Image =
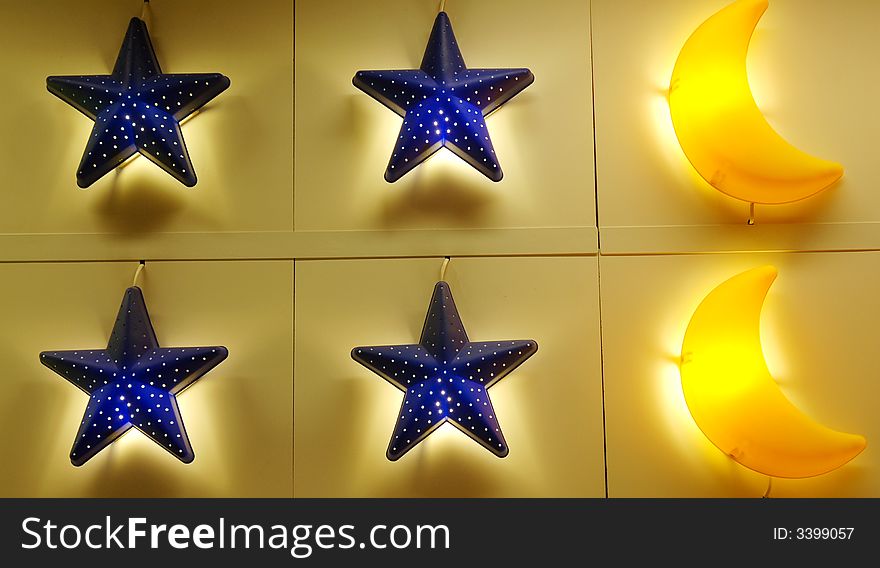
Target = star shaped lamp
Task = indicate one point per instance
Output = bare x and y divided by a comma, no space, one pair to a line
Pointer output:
443,104
137,109
132,383
445,378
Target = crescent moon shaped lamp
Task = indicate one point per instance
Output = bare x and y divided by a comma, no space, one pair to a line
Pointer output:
445,378
734,399
719,126
443,104
133,383
137,109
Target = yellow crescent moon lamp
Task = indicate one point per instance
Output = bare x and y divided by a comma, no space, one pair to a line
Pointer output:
719,126
734,399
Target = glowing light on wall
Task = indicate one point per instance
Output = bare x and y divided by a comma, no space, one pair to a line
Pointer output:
719,125
445,377
137,109
132,383
443,104
734,399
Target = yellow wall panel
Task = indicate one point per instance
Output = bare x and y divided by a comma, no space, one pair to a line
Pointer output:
238,416
814,88
818,331
282,417
549,408
542,136
240,143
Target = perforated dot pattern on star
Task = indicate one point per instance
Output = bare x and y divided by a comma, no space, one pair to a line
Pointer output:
137,109
443,104
132,383
445,378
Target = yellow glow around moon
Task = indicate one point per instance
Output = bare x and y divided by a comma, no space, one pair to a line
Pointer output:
734,399
719,125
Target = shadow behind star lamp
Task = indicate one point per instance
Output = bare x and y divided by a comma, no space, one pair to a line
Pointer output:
133,383
443,104
136,109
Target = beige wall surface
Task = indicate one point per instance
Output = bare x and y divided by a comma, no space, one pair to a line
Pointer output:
818,330
550,408
238,416
291,413
240,142
809,69
542,136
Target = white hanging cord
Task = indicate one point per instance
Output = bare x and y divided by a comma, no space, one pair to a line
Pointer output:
137,272
769,487
751,213
144,9
443,268
442,5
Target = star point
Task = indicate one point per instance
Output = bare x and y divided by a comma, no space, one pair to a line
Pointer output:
443,104
445,378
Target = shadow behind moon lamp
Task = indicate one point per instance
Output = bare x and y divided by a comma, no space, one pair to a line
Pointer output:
719,126
133,383
137,109
443,104
736,402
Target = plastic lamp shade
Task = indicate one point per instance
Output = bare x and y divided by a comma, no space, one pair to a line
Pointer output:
734,399
445,378
719,126
137,109
443,104
133,383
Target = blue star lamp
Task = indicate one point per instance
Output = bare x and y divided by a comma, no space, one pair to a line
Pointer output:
445,378
133,383
443,104
137,109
